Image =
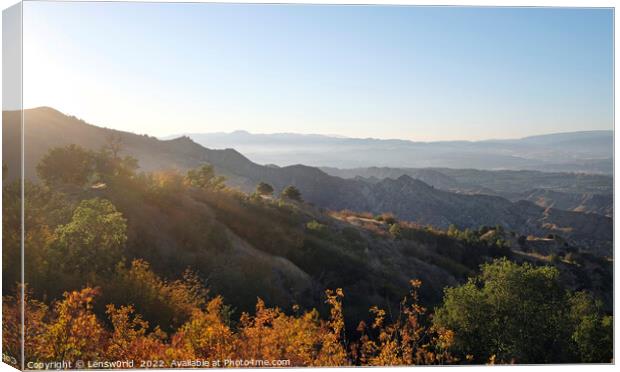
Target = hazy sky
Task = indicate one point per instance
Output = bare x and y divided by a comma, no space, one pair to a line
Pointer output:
419,73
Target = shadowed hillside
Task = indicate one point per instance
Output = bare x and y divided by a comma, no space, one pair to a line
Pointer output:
577,192
406,197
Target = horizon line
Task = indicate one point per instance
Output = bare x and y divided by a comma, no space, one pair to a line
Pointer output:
335,135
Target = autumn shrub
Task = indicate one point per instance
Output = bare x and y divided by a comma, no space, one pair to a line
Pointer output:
409,340
206,334
271,334
129,338
71,331
161,302
34,324
74,332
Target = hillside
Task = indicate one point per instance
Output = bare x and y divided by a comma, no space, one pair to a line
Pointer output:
285,252
585,202
576,192
498,182
406,197
163,258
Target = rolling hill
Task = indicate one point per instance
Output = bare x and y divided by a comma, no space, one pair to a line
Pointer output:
408,198
589,193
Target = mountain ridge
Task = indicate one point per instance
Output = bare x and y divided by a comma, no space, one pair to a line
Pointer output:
320,135
408,198
580,151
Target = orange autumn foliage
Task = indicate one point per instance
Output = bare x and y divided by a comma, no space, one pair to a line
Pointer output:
74,333
406,341
71,331
35,312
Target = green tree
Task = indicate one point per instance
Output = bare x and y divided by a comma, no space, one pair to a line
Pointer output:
110,165
510,312
204,177
93,241
42,208
67,165
292,193
593,331
264,189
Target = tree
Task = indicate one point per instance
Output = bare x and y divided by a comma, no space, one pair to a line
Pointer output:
110,164
67,165
264,189
93,241
113,145
593,331
292,193
204,177
509,312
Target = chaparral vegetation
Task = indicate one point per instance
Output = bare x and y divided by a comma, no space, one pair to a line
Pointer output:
172,266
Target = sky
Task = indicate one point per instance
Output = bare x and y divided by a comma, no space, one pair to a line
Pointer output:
419,73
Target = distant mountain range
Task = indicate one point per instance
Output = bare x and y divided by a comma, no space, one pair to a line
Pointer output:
587,151
408,198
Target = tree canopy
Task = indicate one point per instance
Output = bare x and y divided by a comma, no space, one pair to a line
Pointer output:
204,177
515,313
264,189
72,164
93,240
292,193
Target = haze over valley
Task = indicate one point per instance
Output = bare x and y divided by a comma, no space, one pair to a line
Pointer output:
584,152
